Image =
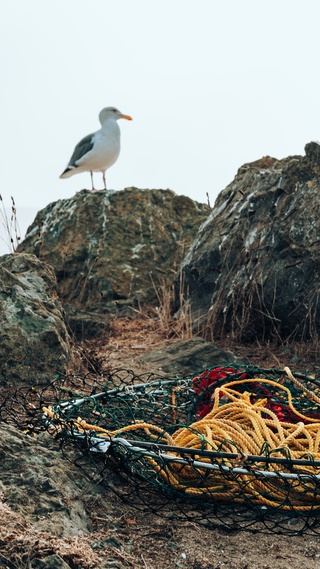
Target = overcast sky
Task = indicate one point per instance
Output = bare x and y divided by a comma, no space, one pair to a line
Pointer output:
210,85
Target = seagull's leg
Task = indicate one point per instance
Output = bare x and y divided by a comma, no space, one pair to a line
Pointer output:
91,174
104,179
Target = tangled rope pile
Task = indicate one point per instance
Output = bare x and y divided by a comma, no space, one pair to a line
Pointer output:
234,423
233,445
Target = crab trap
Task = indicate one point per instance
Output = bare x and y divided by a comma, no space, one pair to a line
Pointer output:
237,448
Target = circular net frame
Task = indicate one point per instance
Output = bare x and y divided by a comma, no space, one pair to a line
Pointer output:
231,448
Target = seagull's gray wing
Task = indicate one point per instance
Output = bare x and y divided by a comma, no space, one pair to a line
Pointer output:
82,148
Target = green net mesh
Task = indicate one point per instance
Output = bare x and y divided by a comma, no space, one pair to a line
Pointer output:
237,448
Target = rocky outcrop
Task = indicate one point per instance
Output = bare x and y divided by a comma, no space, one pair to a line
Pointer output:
254,267
110,249
39,485
34,343
189,356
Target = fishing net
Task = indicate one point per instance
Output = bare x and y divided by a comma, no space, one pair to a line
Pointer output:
235,448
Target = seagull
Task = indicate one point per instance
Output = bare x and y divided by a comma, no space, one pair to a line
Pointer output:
98,151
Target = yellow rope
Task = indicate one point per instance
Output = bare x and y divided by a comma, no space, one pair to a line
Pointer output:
242,426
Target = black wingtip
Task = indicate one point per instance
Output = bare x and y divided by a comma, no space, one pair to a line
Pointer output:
66,172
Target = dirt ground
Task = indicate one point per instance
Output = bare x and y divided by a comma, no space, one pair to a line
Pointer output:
131,338
121,536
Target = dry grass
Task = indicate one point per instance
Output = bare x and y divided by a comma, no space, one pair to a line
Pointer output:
173,322
10,226
241,312
20,543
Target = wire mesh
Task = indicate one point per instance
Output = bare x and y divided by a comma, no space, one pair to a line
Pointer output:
155,442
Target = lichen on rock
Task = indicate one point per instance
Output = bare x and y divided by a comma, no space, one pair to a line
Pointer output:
109,249
34,342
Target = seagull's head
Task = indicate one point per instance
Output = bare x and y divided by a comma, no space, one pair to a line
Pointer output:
112,113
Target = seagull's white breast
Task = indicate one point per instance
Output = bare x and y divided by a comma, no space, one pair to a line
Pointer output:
106,148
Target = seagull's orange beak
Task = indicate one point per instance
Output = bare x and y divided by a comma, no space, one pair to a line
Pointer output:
126,117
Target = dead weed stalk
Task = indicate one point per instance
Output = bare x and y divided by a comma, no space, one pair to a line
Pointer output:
174,322
12,233
241,312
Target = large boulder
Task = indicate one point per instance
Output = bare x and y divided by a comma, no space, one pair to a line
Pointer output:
39,485
34,343
111,249
253,270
